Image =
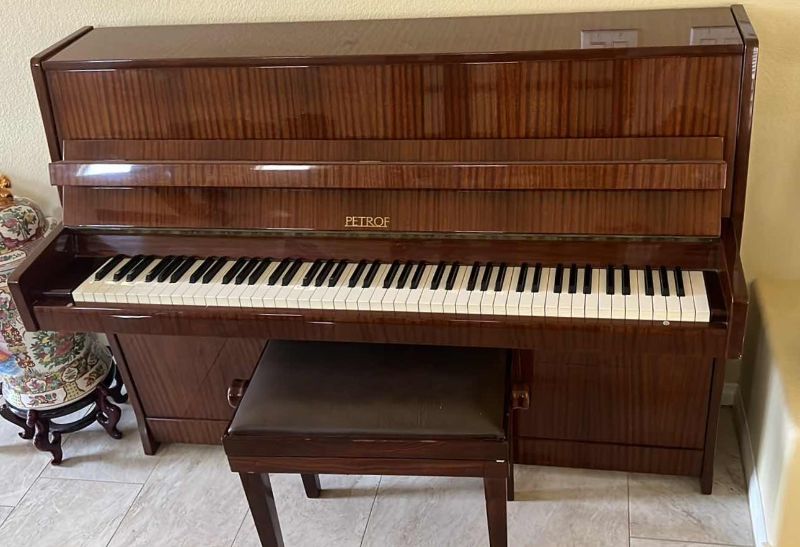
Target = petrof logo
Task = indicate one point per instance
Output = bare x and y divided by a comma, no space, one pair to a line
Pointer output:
367,222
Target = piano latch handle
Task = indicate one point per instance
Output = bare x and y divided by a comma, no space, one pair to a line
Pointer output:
236,391
520,397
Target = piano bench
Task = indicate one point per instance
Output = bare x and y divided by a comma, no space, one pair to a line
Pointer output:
341,408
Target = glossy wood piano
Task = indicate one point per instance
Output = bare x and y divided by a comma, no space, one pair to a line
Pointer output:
568,186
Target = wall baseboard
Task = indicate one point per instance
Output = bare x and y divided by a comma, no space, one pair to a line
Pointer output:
757,515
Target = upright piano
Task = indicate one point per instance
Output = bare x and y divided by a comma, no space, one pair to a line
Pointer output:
569,186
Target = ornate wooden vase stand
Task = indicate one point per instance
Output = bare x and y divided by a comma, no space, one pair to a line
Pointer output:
46,433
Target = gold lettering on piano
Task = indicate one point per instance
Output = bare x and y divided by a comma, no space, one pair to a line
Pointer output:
366,222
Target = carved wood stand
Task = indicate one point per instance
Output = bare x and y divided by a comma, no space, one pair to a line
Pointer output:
46,433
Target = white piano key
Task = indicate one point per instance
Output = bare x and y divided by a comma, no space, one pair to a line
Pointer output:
551,297
673,304
301,296
107,287
367,292
701,307
389,297
85,291
645,301
501,298
219,290
249,298
592,305
288,296
687,301
403,294
451,296
200,296
265,296
604,305
632,300
475,295
487,296
463,296
579,299
330,295
415,295
513,297
376,299
539,298
183,285
617,299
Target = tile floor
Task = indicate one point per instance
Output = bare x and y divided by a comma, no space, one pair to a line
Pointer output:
108,493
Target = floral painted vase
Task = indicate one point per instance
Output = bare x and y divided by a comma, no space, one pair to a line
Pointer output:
39,370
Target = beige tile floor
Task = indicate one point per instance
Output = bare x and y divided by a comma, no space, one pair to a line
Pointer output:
108,493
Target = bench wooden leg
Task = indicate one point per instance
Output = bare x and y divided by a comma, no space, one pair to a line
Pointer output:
494,490
510,483
258,490
311,485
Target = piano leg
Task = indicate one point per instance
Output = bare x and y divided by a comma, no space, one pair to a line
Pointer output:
149,444
311,485
717,383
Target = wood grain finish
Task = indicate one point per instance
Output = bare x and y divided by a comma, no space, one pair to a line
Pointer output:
620,457
194,384
460,150
616,397
674,213
559,151
393,40
441,176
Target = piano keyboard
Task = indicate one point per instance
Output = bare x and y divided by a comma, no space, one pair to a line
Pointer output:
528,289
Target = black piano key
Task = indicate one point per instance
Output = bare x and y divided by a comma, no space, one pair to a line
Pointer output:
610,279
626,280
153,274
405,273
108,267
198,273
679,288
311,272
214,270
393,269
166,272
337,273
451,277
139,268
371,273
648,281
230,275
662,274
291,272
587,279
537,278
182,269
275,276
523,275
559,281
573,279
245,272
437,276
473,276
487,276
324,272
357,272
417,278
501,276
131,264
263,264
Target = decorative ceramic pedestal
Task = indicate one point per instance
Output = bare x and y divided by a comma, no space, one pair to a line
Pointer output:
47,375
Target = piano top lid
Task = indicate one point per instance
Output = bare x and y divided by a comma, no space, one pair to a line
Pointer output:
625,33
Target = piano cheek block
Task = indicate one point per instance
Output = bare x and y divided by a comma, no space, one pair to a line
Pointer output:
220,210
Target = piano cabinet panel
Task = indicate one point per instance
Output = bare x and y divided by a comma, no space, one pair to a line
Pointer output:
590,212
187,377
643,399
